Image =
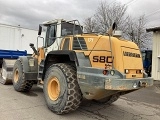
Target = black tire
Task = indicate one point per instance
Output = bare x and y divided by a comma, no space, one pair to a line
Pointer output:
69,97
108,100
19,82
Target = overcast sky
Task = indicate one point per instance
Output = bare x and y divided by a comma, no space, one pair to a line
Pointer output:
30,13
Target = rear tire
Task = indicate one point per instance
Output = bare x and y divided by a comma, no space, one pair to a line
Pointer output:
61,89
19,82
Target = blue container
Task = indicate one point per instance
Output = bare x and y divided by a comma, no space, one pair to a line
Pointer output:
12,54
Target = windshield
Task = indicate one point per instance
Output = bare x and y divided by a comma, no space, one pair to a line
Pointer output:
70,29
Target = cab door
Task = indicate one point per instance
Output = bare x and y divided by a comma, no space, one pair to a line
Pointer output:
50,38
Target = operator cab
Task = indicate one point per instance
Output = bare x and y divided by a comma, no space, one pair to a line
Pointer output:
56,30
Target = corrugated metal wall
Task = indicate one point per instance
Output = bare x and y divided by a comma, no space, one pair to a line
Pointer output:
155,54
18,38
9,37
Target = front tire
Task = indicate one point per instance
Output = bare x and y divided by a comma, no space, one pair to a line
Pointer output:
20,84
61,89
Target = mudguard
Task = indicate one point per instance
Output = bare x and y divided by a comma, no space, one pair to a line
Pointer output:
25,63
30,71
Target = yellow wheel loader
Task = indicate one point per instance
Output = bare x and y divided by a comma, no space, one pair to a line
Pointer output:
73,65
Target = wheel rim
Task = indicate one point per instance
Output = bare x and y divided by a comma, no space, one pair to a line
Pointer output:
53,88
16,75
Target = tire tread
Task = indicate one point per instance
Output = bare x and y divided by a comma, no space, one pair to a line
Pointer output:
74,96
24,85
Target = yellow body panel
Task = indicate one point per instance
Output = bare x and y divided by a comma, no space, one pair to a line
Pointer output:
126,54
41,55
108,53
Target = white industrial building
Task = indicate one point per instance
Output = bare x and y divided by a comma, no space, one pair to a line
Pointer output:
18,38
155,52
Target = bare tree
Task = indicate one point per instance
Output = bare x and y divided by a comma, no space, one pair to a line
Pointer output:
89,24
136,31
105,16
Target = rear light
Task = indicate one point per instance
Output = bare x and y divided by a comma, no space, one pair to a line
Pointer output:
105,72
31,62
139,71
112,72
126,71
135,85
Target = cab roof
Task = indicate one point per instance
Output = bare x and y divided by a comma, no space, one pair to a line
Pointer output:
53,22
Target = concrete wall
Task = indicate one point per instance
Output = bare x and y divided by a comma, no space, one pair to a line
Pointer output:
18,38
155,54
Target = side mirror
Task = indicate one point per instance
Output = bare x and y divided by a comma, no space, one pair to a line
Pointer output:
40,30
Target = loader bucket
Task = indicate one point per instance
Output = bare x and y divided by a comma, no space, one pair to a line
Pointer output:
6,71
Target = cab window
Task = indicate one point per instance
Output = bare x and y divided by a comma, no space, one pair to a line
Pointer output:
51,35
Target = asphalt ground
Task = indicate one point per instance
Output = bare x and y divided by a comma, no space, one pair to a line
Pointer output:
143,104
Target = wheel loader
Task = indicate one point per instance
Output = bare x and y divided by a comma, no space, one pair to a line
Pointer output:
7,60
73,65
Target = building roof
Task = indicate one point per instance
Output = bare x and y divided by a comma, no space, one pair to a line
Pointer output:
153,29
14,26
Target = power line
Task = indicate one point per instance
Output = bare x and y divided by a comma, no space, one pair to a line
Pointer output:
130,2
153,13
112,2
127,4
153,20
